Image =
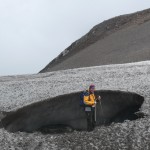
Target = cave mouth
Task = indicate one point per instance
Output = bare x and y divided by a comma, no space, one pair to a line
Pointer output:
64,114
55,129
130,114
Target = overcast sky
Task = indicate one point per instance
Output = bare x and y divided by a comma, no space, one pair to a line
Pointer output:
33,32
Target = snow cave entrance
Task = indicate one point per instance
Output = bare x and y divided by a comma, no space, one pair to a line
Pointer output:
63,113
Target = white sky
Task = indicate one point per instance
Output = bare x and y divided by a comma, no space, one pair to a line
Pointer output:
33,32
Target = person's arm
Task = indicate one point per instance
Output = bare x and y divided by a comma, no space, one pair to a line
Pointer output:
87,101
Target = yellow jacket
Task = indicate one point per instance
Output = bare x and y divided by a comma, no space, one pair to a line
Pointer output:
89,99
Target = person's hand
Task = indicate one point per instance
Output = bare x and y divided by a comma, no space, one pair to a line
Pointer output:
94,104
99,98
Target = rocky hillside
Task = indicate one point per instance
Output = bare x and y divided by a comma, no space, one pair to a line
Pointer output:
122,39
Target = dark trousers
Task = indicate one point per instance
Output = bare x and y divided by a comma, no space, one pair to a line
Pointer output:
90,119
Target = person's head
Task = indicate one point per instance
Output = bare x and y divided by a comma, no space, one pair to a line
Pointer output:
92,88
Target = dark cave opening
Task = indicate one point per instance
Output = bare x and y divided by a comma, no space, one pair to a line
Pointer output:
128,114
64,114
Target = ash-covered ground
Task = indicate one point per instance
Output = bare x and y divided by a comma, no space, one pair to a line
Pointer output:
18,91
119,40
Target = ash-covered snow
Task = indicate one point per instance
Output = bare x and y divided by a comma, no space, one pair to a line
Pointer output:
18,91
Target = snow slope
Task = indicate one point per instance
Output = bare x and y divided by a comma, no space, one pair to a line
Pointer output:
18,91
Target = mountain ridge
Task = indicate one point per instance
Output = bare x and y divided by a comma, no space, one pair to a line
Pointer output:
97,33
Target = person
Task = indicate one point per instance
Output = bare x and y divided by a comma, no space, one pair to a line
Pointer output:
90,101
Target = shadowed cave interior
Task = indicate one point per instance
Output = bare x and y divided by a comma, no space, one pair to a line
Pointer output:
64,113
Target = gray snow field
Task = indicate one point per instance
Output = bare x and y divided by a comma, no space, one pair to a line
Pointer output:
18,91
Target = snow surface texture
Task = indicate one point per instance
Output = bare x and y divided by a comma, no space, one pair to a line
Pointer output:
18,91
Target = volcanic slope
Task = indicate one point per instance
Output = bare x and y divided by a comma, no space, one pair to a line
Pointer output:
122,39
